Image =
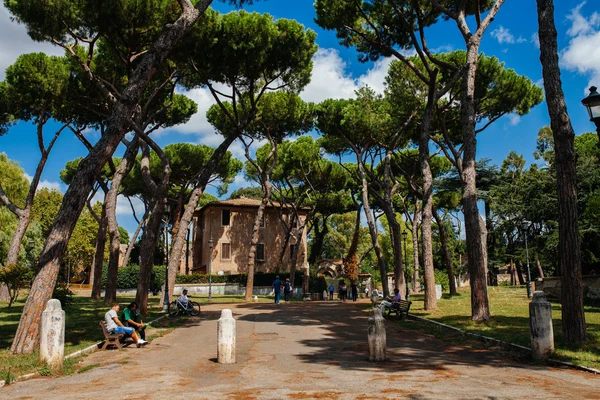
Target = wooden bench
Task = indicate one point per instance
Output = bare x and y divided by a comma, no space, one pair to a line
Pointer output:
400,308
114,339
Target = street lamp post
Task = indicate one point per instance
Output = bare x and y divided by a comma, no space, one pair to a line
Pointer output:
210,246
592,104
404,236
166,298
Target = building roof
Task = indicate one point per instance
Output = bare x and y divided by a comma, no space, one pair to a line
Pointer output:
245,202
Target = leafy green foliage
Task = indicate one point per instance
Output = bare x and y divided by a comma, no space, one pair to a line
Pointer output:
13,277
46,204
63,294
124,235
128,277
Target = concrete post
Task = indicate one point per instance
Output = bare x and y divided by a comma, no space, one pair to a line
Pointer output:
540,323
226,338
377,336
52,341
255,298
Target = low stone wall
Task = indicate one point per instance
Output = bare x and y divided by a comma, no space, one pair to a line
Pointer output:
201,289
552,287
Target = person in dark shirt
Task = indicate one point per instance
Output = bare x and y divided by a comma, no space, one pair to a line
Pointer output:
354,290
277,289
287,289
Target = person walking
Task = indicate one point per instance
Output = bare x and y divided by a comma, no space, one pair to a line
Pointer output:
277,289
331,289
287,289
354,290
343,290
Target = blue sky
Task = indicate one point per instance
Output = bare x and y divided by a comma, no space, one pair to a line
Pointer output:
337,73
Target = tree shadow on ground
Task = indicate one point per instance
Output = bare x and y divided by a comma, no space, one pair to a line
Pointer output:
344,340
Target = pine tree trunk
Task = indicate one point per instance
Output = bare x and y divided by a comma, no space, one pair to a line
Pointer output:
284,247
318,240
446,252
255,233
520,273
480,310
131,244
351,259
178,238
396,240
415,239
27,336
539,267
124,168
96,278
147,248
569,251
373,230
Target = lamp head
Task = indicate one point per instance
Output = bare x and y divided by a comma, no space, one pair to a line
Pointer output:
592,104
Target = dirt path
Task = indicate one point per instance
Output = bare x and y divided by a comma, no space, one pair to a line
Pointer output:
305,350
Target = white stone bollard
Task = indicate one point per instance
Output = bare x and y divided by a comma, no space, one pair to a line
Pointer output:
540,323
226,338
377,336
52,341
325,296
438,292
255,299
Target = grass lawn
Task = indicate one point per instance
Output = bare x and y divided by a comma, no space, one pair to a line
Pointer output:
81,330
509,307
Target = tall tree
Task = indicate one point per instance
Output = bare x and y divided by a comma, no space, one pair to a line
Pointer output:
122,25
35,91
280,114
569,251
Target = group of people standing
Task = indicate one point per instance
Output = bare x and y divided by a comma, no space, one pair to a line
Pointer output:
287,289
343,291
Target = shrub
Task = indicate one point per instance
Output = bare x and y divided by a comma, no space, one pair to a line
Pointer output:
13,276
128,277
63,294
260,278
441,278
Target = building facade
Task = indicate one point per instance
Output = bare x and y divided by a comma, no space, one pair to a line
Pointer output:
229,224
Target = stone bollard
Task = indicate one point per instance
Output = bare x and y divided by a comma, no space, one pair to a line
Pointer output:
255,299
438,292
52,340
377,336
540,323
226,338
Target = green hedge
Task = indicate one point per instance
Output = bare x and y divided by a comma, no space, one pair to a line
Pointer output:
260,279
129,276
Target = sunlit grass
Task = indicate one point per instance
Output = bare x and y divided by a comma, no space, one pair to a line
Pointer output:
509,307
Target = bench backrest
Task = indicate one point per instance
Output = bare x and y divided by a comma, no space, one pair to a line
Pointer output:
404,304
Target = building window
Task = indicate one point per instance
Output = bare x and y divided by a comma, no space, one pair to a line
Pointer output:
260,252
225,251
262,221
225,217
292,248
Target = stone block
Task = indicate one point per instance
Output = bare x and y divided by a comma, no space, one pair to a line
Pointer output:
376,336
226,338
540,323
52,340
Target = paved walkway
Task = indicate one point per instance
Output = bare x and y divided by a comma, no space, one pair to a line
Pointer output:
305,350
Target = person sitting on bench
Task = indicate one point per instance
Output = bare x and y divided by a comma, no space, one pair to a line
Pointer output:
133,319
389,304
113,325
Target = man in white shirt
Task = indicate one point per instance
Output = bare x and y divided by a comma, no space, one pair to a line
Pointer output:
183,299
114,326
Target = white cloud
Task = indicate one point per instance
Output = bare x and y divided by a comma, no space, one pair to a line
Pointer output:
124,208
47,184
329,78
540,82
521,39
513,119
580,24
503,35
15,42
375,77
535,39
583,52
